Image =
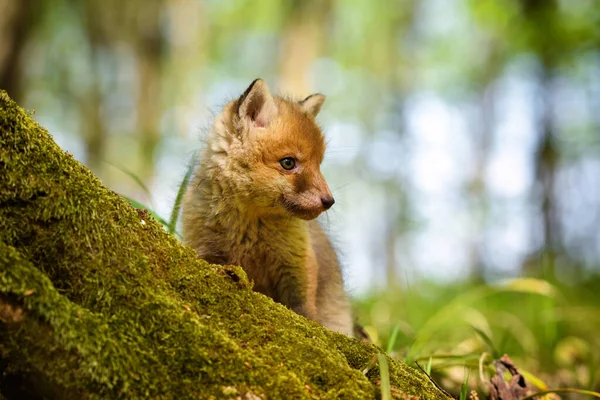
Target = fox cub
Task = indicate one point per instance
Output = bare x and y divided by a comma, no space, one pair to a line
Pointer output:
254,198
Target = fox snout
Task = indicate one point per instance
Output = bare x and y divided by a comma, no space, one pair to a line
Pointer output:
309,198
321,191
325,195
321,201
327,201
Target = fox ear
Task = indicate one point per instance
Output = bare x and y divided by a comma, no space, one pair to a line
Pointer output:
257,104
312,104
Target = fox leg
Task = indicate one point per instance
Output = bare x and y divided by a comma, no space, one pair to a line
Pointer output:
296,292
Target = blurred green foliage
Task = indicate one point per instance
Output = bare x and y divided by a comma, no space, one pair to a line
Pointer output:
548,329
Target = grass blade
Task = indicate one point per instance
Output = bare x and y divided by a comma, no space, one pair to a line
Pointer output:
534,380
370,364
530,285
133,176
393,338
442,356
484,336
386,392
428,366
177,205
565,390
433,381
464,388
408,359
140,206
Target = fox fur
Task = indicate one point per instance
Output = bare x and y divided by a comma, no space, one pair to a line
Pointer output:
243,207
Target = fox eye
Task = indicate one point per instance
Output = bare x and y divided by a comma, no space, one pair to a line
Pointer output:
287,163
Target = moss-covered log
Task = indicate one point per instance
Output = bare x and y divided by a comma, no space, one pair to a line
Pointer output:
97,301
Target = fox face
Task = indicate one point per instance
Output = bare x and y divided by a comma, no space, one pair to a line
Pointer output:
277,153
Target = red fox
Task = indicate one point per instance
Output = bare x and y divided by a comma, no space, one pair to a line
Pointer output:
253,201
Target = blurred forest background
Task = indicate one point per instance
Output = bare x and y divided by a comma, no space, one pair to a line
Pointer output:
464,147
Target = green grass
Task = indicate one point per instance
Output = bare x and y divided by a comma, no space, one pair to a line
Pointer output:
464,388
386,391
548,329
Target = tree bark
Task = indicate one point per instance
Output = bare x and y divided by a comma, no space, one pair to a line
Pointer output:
98,301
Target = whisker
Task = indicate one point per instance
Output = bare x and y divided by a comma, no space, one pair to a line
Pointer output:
343,185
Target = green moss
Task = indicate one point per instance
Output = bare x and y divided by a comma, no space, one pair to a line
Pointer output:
113,306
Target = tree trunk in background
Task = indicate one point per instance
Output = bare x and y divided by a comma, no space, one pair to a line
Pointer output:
541,15
390,58
149,48
91,102
391,226
188,31
483,138
94,132
15,26
302,39
546,165
480,203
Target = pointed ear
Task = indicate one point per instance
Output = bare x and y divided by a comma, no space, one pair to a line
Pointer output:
312,104
257,104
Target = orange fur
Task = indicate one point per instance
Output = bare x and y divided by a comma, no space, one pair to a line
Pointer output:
243,207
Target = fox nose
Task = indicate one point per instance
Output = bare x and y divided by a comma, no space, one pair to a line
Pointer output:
327,202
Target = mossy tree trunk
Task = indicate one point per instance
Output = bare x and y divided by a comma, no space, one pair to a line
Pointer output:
97,301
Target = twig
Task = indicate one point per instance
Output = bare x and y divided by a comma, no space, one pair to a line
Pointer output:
432,381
